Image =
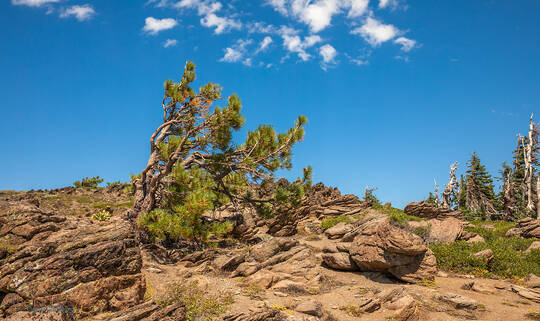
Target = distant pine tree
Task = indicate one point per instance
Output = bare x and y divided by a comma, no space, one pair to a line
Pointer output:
462,194
478,173
480,197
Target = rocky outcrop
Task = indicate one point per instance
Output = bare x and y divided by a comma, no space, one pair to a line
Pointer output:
426,210
68,263
527,228
383,247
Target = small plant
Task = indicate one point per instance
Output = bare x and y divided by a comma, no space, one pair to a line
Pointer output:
370,198
9,248
282,308
421,231
428,283
313,238
199,303
533,315
102,216
352,310
329,222
86,182
253,291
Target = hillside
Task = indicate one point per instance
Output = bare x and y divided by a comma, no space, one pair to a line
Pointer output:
336,258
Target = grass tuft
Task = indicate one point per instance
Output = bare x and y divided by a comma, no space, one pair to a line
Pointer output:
329,222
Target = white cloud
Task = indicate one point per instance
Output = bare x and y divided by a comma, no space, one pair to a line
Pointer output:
82,13
153,25
328,53
375,32
247,62
222,24
388,4
296,45
236,52
264,44
170,43
358,8
231,55
406,44
317,14
32,3
207,10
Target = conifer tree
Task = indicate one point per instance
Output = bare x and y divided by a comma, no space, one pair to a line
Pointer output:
480,197
194,165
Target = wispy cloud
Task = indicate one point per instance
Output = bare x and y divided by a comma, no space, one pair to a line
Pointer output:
264,44
207,9
170,43
295,44
236,52
406,43
153,25
81,13
32,3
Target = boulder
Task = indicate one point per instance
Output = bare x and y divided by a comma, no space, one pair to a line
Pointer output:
68,263
458,301
338,230
513,232
532,281
529,294
383,247
534,246
310,307
426,210
486,254
339,261
444,231
530,228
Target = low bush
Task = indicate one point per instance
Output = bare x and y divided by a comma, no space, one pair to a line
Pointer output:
329,222
102,216
86,182
199,303
509,259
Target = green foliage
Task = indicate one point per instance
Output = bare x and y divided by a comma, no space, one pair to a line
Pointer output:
509,257
421,231
370,198
102,216
201,168
478,173
431,199
199,303
86,182
116,183
397,216
329,222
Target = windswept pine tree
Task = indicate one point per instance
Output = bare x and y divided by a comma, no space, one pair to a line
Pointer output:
480,197
195,166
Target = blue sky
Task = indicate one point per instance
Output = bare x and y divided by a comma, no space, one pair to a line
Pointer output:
394,91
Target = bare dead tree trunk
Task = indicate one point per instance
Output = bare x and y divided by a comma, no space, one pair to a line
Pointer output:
437,198
527,153
538,197
451,187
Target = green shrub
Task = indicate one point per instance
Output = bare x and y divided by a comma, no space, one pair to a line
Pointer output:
329,222
421,231
102,216
398,216
369,197
508,261
199,303
86,182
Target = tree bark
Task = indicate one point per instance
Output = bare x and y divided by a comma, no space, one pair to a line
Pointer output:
527,151
450,187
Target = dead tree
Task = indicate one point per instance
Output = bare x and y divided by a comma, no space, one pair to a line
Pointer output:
451,188
438,202
529,170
